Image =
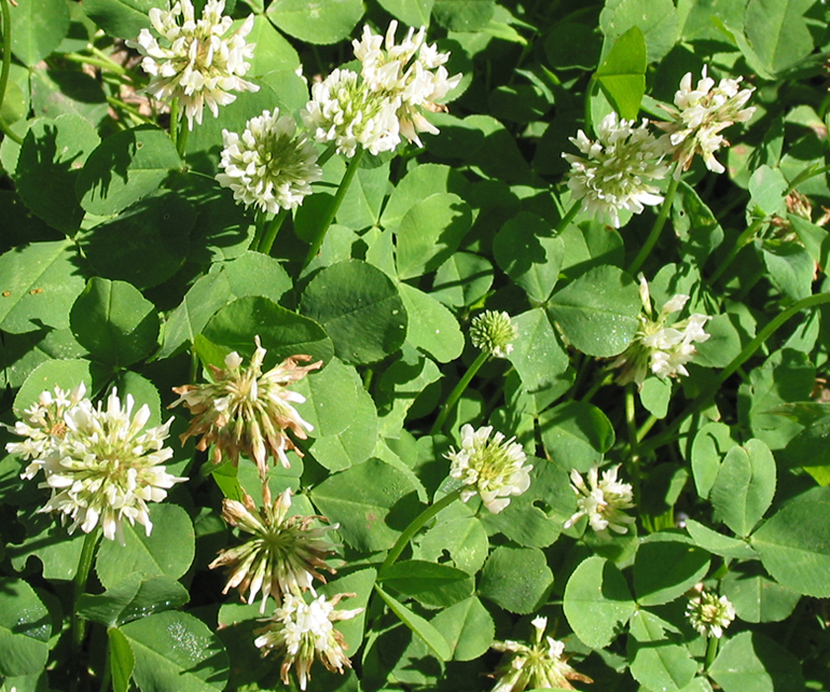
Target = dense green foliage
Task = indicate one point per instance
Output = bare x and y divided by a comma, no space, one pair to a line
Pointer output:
123,263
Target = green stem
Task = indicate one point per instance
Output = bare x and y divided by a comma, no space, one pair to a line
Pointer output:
633,460
106,677
271,231
711,652
81,578
348,176
742,241
328,152
599,383
569,216
174,123
806,174
134,112
657,228
668,434
7,65
417,524
103,63
458,391
181,142
645,427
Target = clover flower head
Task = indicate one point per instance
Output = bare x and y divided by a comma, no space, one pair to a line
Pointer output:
603,501
284,553
492,468
100,463
343,109
411,72
193,60
701,113
269,165
247,412
493,332
539,665
710,614
660,347
617,170
44,427
301,632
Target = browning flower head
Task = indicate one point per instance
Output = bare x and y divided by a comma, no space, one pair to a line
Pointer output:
283,555
301,632
700,115
710,614
617,170
540,665
603,501
658,346
493,332
269,166
492,468
246,412
193,60
102,466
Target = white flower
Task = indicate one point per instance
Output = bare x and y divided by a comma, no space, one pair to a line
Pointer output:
493,332
538,666
617,169
701,113
248,412
661,348
268,166
44,427
493,469
346,111
710,614
104,467
301,632
411,72
195,62
602,501
283,554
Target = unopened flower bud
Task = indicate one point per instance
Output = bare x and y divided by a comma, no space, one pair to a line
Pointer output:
494,333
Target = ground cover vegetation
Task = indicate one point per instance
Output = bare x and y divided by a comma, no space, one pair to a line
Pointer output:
414,345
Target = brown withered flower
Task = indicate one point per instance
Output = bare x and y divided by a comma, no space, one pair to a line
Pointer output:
283,555
246,412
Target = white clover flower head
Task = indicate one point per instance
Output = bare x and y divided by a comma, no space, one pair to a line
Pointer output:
492,468
411,73
44,427
105,467
269,166
710,614
246,412
301,632
540,665
701,113
344,110
284,553
603,501
616,171
659,347
193,60
493,332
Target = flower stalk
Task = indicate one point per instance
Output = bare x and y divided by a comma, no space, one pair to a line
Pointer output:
456,393
416,525
348,176
657,228
7,64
